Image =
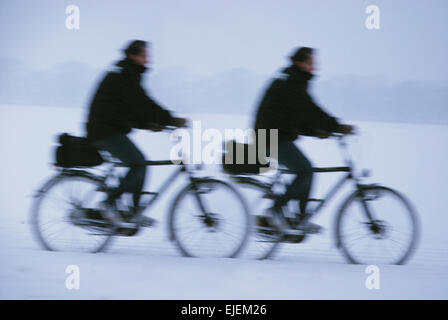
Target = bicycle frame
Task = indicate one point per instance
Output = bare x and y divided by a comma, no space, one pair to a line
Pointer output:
329,195
349,168
155,195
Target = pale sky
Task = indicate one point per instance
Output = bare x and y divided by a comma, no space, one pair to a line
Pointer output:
211,36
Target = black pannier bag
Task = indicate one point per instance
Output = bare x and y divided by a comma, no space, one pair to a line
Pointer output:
76,152
236,152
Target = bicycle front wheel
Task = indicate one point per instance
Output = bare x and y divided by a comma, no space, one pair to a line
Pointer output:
58,215
209,218
377,225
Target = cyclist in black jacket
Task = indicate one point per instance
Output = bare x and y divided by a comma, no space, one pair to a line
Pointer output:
120,104
288,107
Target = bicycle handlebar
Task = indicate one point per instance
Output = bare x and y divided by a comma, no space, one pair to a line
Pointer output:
170,128
165,128
339,135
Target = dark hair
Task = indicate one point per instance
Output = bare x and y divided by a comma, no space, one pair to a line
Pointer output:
135,47
302,54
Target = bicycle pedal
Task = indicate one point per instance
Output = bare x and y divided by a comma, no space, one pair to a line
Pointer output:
293,238
267,237
96,223
148,192
100,231
125,215
100,234
315,200
93,214
127,232
266,231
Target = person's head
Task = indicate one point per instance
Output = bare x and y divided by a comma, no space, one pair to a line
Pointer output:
138,52
304,59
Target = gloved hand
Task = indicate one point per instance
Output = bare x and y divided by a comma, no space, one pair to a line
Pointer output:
322,134
346,129
178,122
155,127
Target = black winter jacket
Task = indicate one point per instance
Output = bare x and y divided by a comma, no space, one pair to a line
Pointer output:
288,107
120,104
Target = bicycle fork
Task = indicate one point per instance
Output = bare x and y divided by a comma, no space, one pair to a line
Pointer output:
206,216
375,226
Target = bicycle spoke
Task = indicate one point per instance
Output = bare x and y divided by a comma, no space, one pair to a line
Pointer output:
57,203
235,225
346,234
230,235
399,244
189,232
61,219
357,238
58,231
191,224
218,239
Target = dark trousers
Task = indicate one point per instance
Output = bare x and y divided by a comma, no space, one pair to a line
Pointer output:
121,147
291,157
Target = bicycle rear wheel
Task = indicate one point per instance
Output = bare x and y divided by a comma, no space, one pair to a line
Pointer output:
265,236
377,225
59,215
209,218
266,239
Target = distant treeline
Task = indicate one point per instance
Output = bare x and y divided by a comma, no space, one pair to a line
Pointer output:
236,91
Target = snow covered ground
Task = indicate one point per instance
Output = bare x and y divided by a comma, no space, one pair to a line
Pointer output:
408,157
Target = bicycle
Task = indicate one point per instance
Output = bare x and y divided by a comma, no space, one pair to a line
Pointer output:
371,216
70,198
